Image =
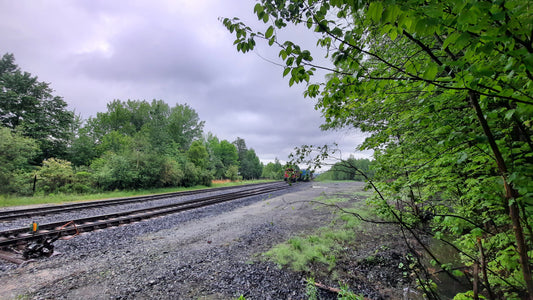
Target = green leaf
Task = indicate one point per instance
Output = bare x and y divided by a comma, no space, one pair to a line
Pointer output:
375,9
390,14
431,72
283,54
457,273
309,23
286,71
463,40
269,32
258,8
393,34
477,232
289,61
451,39
509,114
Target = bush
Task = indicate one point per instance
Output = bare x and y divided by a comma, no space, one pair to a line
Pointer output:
233,173
171,174
21,183
83,182
114,171
16,152
54,175
191,175
205,178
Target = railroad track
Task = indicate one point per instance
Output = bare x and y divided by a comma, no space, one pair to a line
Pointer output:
8,215
39,243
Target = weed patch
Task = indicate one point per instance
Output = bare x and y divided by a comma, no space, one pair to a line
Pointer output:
299,253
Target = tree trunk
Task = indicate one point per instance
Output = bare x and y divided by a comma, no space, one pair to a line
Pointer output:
475,288
483,264
511,195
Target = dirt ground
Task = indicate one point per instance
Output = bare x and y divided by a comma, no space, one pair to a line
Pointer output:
216,254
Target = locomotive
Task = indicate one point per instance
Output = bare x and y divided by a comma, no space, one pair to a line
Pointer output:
292,175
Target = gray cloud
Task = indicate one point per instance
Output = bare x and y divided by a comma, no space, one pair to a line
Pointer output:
95,51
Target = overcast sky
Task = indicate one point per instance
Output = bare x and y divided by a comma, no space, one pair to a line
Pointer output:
94,51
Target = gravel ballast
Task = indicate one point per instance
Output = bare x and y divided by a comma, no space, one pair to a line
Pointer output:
209,253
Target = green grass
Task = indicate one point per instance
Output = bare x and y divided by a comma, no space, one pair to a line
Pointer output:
365,194
298,253
7,200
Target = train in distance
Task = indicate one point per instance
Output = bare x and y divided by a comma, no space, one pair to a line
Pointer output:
292,175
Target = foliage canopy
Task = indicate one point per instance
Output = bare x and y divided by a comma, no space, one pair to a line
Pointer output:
444,88
28,106
134,144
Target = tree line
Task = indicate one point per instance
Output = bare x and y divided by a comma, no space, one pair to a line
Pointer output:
135,144
444,90
349,169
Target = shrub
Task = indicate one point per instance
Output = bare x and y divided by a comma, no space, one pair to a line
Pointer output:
191,175
171,173
54,175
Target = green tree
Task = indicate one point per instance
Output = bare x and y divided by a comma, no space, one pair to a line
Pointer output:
241,148
232,173
252,166
215,165
351,169
227,152
143,145
126,117
184,125
198,155
191,174
83,149
273,170
28,105
113,171
164,127
444,91
156,131
16,152
116,142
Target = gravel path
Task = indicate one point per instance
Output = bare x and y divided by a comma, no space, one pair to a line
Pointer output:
210,253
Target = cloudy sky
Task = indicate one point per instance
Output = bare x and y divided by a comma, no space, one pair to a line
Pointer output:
94,51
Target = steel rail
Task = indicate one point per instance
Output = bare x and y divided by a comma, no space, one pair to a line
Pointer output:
7,215
21,236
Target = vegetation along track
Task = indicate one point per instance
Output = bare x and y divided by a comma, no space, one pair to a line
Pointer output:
13,214
47,233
